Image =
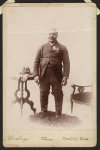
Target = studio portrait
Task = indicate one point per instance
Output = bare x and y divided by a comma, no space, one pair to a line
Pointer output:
49,63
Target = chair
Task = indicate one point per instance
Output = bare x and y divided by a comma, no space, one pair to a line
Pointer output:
81,95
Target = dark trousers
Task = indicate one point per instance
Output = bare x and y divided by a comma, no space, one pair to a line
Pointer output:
50,79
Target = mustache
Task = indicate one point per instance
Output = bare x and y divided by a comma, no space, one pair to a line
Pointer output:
52,38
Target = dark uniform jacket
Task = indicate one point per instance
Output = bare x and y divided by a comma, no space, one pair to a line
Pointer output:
54,56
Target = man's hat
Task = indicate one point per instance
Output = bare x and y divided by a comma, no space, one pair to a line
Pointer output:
25,70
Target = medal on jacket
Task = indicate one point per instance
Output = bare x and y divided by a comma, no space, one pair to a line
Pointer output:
55,48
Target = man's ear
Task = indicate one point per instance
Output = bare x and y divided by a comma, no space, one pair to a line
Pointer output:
57,35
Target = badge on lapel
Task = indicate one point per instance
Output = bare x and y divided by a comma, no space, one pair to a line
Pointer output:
56,49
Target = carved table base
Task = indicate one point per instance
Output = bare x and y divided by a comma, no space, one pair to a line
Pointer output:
22,95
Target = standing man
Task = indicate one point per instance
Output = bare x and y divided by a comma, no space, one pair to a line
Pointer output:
49,72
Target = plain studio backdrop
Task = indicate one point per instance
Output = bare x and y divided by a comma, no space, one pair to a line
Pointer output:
27,29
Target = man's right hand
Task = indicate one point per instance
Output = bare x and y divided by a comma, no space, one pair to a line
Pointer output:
36,79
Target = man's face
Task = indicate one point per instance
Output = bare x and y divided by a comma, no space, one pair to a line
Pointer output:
53,36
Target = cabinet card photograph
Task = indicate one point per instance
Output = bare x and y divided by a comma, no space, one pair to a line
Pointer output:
49,75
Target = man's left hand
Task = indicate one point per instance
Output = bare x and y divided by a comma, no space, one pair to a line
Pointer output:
64,81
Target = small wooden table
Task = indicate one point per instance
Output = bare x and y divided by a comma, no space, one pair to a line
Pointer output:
22,95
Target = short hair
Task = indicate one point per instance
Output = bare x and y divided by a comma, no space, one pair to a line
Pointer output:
53,30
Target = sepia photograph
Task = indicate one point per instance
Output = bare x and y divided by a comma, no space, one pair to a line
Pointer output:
49,74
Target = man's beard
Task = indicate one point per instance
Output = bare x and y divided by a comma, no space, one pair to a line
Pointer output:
52,40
